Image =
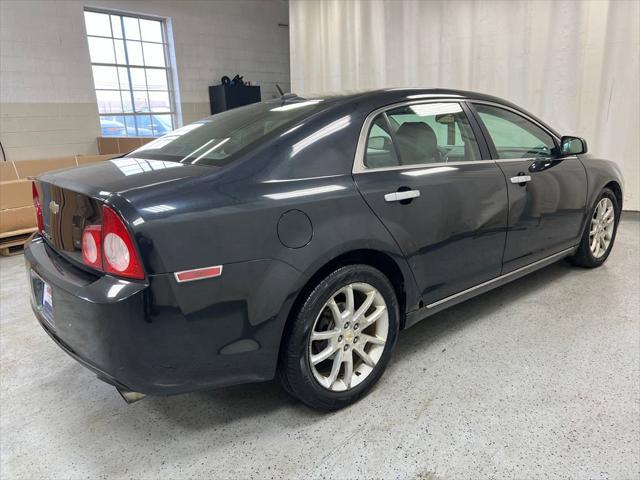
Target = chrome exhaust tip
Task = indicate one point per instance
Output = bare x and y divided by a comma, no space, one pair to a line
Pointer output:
130,397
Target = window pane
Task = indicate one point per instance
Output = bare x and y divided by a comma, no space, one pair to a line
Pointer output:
124,78
141,101
513,135
138,79
159,102
215,140
130,123
109,101
112,126
105,77
151,30
97,24
131,30
433,133
127,105
120,55
143,122
134,49
161,124
116,26
101,50
157,79
380,150
153,54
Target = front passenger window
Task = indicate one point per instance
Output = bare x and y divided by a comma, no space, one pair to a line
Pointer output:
513,135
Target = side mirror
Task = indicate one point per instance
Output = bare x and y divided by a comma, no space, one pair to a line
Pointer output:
572,146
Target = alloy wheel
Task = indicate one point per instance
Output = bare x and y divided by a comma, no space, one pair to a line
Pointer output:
348,337
601,228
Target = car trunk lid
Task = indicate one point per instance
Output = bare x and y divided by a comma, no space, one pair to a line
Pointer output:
72,199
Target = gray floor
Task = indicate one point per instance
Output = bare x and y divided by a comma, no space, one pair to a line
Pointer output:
540,378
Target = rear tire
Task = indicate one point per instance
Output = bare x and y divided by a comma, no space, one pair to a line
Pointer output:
341,338
599,233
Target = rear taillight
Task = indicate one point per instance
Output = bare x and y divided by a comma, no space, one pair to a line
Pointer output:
92,246
38,206
109,247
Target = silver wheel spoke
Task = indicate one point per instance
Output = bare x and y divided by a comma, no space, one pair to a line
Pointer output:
365,357
324,354
335,368
366,305
350,301
335,311
371,339
348,369
326,335
367,321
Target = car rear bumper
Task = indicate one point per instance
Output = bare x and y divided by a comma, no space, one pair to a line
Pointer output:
161,337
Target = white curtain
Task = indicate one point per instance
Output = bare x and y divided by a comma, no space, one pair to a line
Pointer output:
575,64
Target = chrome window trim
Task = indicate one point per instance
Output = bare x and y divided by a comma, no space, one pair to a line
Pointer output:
358,161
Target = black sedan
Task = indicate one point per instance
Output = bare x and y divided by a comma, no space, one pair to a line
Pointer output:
296,238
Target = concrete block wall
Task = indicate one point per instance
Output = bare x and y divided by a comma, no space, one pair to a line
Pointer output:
47,99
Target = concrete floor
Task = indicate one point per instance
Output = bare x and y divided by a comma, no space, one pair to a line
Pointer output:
537,379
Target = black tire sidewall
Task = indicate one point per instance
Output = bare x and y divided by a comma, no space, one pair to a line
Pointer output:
298,370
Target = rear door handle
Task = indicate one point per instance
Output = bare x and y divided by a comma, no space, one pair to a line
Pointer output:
521,179
404,195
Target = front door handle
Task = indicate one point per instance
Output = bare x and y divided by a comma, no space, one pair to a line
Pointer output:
403,195
521,179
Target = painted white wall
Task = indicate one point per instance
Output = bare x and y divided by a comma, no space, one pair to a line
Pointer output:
47,101
573,63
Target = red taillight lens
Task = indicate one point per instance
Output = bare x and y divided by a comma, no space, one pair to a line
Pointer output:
119,255
92,246
38,206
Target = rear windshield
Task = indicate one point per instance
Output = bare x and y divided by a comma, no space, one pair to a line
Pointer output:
216,139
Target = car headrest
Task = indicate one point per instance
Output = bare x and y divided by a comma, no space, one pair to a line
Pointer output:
417,143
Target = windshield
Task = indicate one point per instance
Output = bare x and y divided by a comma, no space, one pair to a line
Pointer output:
214,140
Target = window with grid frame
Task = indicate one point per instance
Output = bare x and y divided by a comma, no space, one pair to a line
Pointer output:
131,74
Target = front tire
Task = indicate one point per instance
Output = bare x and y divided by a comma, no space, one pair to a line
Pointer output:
599,233
341,339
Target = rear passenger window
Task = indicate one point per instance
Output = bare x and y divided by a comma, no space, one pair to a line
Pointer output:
380,150
433,133
421,134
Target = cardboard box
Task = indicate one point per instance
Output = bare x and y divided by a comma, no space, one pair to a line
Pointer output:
8,171
28,168
15,193
108,145
111,145
84,159
16,203
19,218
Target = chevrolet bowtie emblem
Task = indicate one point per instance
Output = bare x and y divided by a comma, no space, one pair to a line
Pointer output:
54,207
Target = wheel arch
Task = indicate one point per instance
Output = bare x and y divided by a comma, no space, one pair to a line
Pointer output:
617,191
374,258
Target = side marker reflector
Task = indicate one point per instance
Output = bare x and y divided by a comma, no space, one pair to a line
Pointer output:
198,274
